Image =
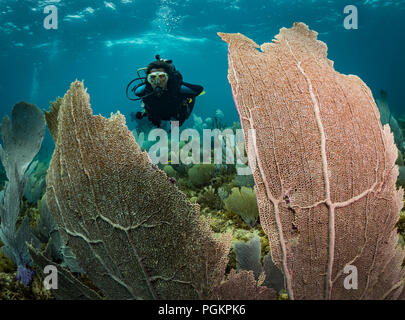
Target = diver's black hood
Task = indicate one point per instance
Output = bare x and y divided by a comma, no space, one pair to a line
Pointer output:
160,64
175,77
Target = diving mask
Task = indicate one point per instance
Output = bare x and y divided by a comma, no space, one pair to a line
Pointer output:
158,78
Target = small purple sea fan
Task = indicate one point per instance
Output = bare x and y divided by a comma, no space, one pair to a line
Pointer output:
24,275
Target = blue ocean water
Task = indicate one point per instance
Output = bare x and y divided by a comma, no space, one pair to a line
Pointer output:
105,42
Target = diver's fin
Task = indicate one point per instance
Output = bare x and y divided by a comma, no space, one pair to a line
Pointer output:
202,93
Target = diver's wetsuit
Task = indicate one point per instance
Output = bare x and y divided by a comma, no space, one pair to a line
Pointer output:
169,105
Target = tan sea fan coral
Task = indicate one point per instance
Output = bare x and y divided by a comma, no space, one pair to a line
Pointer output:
133,232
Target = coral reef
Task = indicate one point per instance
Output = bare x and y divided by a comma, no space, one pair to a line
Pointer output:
244,181
200,174
108,202
169,170
323,167
243,202
12,290
209,198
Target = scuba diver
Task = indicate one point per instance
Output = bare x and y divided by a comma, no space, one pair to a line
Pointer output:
164,94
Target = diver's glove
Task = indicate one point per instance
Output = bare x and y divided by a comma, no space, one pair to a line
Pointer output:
139,115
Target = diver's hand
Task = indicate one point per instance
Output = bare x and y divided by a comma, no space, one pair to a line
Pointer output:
185,102
139,115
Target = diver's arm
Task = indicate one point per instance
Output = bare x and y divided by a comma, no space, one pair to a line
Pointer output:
191,89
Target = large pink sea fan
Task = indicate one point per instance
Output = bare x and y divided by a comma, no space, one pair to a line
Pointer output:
325,174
